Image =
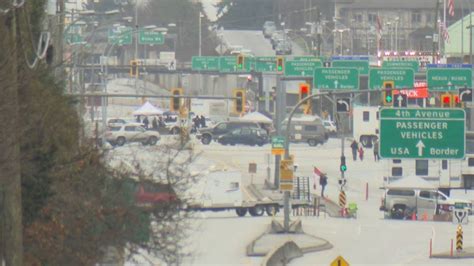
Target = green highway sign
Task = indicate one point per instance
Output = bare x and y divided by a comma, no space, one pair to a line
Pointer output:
120,36
412,64
445,79
210,63
336,78
422,133
278,142
228,64
361,65
401,77
73,38
249,63
301,68
150,37
265,63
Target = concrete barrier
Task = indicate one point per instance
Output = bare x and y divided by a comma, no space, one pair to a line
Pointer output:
282,254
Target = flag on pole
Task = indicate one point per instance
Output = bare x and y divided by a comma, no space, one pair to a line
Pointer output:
451,7
444,31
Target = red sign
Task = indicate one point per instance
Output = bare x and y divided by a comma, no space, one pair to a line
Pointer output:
420,91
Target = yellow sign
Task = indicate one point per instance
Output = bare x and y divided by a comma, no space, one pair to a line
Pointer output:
339,261
286,186
278,151
286,170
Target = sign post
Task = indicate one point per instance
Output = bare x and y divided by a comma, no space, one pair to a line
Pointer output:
422,133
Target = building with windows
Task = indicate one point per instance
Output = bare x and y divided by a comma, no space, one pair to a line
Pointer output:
403,24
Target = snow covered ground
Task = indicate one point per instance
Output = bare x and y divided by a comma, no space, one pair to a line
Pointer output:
221,238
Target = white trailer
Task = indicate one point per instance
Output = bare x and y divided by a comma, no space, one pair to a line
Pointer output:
365,124
223,190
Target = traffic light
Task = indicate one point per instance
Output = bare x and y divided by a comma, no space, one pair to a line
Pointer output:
134,68
388,92
304,91
239,102
240,62
175,104
280,65
446,100
456,101
343,167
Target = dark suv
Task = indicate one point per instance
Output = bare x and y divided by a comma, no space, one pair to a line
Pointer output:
206,135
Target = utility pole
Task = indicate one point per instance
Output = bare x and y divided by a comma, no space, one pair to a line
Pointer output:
10,174
435,29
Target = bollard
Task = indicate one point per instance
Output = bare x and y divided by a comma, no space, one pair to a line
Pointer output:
459,239
431,247
451,247
367,191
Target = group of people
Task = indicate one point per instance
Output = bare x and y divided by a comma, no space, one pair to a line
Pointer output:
155,123
199,121
358,150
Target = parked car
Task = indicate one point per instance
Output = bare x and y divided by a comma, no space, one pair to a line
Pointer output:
157,198
330,127
399,203
206,135
307,128
245,135
116,122
131,132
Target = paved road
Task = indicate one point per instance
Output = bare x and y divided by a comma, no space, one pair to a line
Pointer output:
254,41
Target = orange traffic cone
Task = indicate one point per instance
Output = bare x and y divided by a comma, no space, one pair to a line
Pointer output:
413,217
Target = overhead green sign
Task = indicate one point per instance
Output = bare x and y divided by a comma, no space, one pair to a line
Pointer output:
120,36
422,133
412,64
265,63
336,78
73,38
210,63
445,79
249,63
361,65
150,37
228,64
301,68
403,78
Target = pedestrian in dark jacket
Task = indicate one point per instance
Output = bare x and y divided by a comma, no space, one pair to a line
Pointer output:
323,181
203,121
355,148
376,150
361,153
154,124
146,122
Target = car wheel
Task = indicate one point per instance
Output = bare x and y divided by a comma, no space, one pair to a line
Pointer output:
152,140
312,142
241,212
271,210
206,139
260,144
120,141
257,211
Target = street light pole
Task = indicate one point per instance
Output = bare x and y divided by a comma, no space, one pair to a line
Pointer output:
200,38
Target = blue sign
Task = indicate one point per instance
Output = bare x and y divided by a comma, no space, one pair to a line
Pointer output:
350,57
449,66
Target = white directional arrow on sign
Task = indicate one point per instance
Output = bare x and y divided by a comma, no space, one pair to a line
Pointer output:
420,147
343,102
400,100
302,73
461,96
335,84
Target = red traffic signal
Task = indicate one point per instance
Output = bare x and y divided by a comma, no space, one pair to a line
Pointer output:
304,90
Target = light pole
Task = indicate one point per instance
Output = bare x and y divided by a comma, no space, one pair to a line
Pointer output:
397,19
200,32
390,32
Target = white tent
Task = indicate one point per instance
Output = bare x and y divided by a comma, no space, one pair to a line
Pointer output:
411,181
256,117
148,109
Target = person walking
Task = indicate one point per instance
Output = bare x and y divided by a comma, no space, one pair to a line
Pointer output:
376,150
361,153
203,121
355,148
146,122
323,181
154,124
